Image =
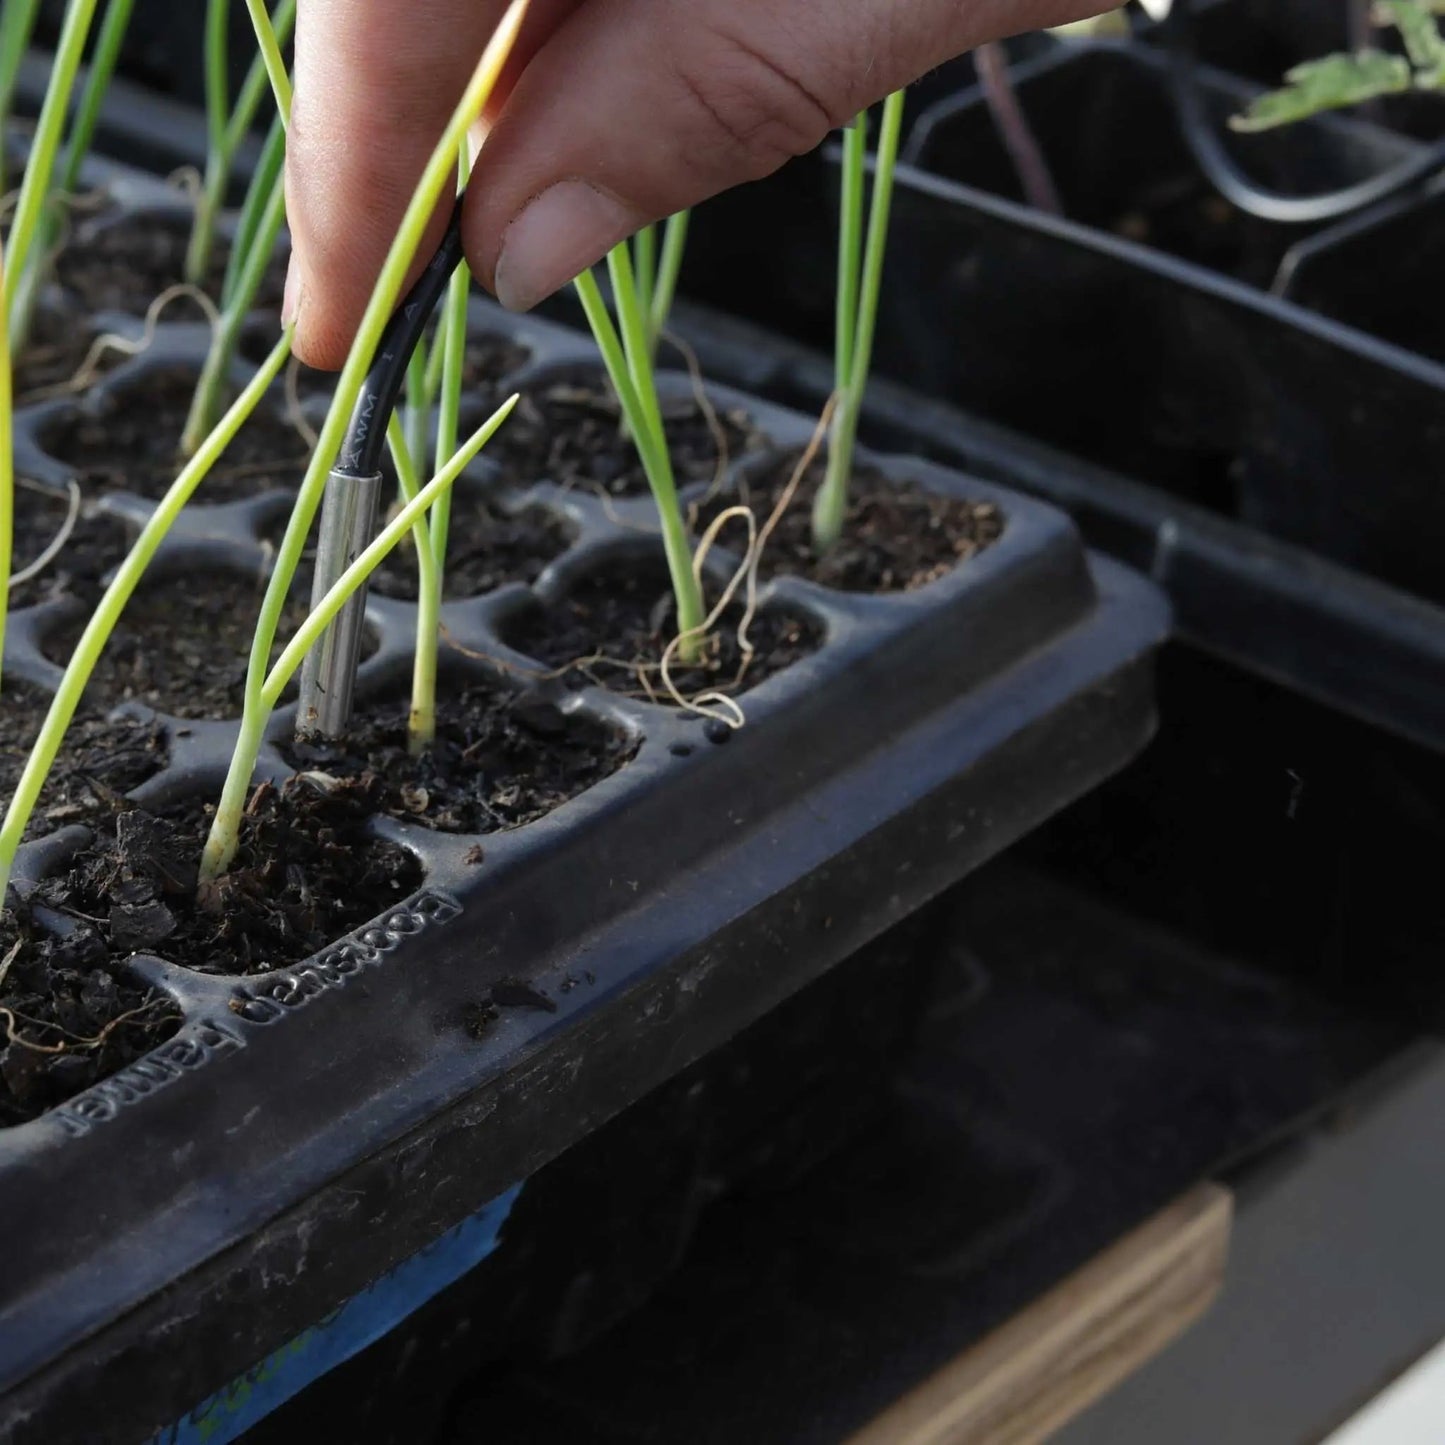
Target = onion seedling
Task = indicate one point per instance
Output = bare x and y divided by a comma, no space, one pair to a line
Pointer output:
628,359
224,836
98,630
226,125
860,277
26,230
102,65
17,25
259,226
431,536
7,481
261,220
656,275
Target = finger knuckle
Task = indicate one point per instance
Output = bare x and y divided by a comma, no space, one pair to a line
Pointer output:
754,109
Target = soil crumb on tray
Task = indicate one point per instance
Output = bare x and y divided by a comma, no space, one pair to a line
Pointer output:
896,537
498,762
614,626
307,873
124,267
98,763
182,646
134,444
96,543
70,1016
569,431
486,549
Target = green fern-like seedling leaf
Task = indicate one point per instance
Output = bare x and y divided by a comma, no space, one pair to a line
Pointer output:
1330,83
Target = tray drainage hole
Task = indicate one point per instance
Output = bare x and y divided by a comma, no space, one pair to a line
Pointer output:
681,750
715,730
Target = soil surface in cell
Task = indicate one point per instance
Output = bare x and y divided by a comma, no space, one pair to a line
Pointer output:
70,1015
896,536
99,761
54,352
614,626
307,872
125,266
182,645
1200,226
91,546
568,431
497,762
133,443
486,549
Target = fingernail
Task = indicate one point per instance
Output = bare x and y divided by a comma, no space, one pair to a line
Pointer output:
558,235
291,297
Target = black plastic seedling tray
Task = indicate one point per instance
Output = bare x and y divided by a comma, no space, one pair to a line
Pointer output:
310,1129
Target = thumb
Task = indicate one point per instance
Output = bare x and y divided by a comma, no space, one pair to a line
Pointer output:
635,109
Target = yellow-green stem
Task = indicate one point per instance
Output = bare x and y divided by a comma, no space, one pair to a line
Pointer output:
211,387
452,342
35,188
7,481
98,630
830,506
646,427
421,723
270,49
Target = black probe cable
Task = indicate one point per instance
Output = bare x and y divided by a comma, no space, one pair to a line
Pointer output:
360,454
353,488
1233,184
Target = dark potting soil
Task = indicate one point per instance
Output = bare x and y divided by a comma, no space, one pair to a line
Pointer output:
182,645
99,761
486,548
57,346
133,444
498,762
489,361
1188,219
307,873
71,1015
568,431
96,543
612,629
124,267
896,536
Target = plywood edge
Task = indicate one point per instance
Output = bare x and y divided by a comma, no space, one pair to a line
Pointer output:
1046,1365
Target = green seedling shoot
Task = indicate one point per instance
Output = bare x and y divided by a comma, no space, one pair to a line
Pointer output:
98,631
226,125
261,218
224,836
259,226
17,25
628,359
27,230
860,278
103,60
7,481
1334,82
656,276
431,538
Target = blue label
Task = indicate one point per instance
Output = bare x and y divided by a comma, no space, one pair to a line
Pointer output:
361,1321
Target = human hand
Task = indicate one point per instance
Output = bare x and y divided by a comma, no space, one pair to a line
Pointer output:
611,114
